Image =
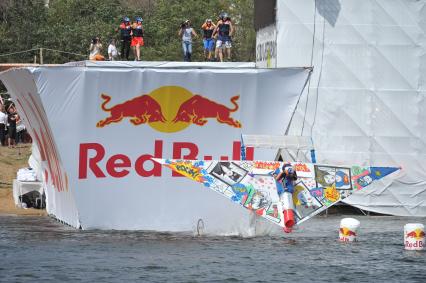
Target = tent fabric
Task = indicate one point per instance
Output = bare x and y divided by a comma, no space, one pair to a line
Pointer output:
365,103
97,125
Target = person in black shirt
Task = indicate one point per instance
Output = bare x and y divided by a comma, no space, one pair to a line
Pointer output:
126,37
208,40
11,120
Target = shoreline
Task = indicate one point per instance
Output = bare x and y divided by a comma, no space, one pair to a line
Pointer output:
8,208
11,159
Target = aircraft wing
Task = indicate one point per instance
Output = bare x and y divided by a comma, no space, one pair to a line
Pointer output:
251,185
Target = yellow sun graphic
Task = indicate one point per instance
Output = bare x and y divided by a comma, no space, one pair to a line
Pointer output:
170,98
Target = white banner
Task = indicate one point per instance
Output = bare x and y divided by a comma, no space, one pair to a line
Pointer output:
98,127
266,47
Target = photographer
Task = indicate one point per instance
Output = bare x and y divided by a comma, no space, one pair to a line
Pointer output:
208,27
95,50
186,32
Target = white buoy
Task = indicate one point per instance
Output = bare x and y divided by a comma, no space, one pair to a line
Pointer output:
414,236
348,229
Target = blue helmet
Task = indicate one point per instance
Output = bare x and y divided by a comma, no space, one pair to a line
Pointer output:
126,19
139,19
223,16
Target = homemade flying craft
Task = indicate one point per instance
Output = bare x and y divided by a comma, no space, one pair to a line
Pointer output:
252,185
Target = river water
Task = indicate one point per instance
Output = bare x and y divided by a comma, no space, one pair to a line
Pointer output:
39,249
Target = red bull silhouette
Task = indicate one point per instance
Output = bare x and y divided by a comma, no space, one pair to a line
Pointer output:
347,232
411,234
197,109
415,234
140,110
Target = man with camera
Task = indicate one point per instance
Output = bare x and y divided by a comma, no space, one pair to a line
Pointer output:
186,32
208,27
95,50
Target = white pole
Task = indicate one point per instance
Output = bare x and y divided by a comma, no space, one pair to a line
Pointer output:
41,56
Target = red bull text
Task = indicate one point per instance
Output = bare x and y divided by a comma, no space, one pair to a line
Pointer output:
119,165
415,240
346,235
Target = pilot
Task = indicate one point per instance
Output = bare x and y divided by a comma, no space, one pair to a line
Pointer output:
285,186
286,178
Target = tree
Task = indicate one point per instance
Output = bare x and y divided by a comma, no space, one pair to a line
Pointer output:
69,25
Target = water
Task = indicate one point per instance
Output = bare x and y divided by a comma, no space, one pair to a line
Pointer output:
41,249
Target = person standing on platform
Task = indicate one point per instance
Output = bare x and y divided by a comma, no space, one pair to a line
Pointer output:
137,38
95,50
186,32
224,30
126,37
112,51
208,40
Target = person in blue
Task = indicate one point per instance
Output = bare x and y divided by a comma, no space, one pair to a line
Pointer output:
224,30
285,179
208,27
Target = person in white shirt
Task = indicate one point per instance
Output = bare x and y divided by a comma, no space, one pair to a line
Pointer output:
112,51
3,123
186,32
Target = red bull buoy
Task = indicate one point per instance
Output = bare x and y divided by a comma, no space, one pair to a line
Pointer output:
288,210
348,230
414,236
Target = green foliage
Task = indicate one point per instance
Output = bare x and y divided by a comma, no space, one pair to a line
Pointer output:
69,25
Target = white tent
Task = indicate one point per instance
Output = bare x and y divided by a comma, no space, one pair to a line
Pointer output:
366,99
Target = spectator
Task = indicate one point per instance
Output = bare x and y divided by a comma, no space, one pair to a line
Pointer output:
126,37
208,40
11,119
137,38
95,50
186,31
224,30
3,123
21,131
112,51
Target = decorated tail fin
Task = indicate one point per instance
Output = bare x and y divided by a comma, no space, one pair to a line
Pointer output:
252,185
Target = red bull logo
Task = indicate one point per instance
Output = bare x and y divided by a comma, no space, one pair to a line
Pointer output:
140,110
347,232
416,234
346,235
170,109
415,239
